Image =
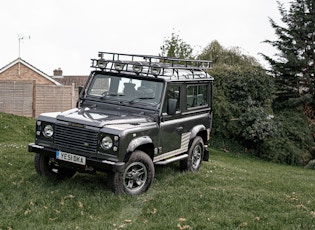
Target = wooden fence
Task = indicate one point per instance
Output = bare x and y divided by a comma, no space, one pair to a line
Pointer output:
25,98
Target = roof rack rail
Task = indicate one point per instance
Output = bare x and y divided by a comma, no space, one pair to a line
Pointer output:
150,65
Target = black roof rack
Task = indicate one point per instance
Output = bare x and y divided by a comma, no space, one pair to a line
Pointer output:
149,65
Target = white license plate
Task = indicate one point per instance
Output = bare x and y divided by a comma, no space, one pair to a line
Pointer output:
70,157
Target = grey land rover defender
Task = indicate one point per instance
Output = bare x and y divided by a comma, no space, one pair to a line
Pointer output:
134,112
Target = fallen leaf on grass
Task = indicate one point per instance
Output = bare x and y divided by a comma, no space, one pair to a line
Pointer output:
27,212
62,202
182,219
301,206
153,211
80,205
183,227
242,225
127,221
313,214
257,218
68,197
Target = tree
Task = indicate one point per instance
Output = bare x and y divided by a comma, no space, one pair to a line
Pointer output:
231,57
294,70
242,96
294,65
175,47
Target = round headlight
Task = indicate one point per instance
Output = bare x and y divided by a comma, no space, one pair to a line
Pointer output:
48,131
107,143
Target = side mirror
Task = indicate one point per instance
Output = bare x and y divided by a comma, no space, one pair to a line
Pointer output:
171,106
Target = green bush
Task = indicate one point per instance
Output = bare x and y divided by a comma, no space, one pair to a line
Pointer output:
294,143
258,126
241,95
284,150
243,112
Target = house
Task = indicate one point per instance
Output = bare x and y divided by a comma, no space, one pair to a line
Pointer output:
27,91
77,80
19,70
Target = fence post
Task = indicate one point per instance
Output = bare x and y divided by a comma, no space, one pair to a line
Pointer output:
72,96
34,99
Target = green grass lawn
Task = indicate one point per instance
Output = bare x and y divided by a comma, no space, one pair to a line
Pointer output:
231,191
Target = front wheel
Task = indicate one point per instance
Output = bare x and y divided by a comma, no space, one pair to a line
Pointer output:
195,156
137,176
48,167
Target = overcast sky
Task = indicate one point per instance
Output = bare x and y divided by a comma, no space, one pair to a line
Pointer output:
68,33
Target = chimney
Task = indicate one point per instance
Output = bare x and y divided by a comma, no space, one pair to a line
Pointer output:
58,73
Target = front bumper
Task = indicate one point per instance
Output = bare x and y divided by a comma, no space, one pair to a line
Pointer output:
95,163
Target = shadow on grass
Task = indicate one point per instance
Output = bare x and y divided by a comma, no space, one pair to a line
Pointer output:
80,182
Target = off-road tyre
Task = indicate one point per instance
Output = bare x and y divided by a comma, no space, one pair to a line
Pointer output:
136,177
48,167
195,156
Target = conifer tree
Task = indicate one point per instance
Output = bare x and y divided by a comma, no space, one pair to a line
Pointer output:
294,65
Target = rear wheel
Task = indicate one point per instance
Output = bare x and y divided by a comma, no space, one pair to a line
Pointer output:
137,176
48,167
195,156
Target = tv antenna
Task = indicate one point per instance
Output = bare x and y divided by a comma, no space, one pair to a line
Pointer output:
21,37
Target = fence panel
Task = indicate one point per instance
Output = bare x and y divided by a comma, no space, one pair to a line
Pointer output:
51,98
16,97
25,98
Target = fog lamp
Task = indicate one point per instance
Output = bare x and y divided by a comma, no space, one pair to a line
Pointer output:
101,63
137,67
155,69
119,66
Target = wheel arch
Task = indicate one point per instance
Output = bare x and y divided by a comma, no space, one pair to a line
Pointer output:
143,143
198,130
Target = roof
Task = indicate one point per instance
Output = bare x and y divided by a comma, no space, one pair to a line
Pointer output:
68,80
28,65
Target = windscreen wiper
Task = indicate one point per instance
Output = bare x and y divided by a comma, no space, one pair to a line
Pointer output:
138,99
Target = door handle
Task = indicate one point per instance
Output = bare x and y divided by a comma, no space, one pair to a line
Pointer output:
179,129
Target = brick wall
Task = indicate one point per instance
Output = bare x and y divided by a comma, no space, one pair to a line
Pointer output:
12,74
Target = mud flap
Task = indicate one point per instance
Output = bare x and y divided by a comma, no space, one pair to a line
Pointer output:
206,155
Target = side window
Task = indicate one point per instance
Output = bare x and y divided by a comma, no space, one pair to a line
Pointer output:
172,92
196,95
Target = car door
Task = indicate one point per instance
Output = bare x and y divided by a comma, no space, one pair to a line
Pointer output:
171,129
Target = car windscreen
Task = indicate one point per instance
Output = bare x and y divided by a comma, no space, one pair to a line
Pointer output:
127,90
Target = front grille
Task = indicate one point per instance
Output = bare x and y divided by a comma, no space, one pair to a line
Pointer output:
75,139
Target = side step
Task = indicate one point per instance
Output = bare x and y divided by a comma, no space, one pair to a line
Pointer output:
170,160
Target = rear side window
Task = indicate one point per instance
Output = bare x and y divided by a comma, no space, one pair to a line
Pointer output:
197,96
